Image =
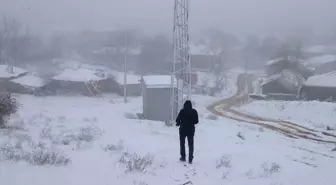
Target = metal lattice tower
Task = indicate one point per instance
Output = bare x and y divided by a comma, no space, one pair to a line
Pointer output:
181,87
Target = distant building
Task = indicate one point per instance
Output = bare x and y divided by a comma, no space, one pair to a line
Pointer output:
320,60
320,87
76,81
29,84
285,82
8,73
157,91
133,85
204,59
318,50
114,57
326,67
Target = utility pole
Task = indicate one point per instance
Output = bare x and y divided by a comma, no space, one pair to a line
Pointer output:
246,59
125,70
223,70
245,66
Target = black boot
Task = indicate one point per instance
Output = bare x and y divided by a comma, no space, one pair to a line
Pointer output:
182,159
190,160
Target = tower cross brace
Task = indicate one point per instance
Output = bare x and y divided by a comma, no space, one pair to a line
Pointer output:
181,72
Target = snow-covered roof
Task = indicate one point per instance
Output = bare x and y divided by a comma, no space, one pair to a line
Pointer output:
282,59
274,61
4,73
157,81
270,79
79,75
316,61
30,81
131,79
324,80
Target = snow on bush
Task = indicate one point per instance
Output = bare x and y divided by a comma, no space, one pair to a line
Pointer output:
46,133
88,134
45,156
8,106
269,169
224,162
11,153
83,135
15,123
37,155
135,162
114,147
241,136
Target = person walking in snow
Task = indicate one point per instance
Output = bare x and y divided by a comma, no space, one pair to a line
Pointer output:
186,120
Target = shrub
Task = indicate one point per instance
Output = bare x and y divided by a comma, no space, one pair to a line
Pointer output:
8,106
38,155
45,156
136,163
88,134
113,147
270,169
11,153
46,133
241,136
224,162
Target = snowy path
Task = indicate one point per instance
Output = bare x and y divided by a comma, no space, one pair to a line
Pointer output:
226,108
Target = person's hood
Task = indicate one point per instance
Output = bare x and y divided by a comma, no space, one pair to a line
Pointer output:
187,105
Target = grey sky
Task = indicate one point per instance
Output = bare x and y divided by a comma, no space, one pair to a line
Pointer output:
239,16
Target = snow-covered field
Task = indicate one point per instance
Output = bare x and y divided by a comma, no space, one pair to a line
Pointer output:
314,114
86,141
93,142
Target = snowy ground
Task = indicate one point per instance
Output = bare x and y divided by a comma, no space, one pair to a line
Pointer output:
94,138
81,140
314,114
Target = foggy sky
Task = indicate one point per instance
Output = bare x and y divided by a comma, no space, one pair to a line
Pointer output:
153,16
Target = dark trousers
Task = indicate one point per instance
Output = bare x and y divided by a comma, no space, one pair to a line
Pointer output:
190,136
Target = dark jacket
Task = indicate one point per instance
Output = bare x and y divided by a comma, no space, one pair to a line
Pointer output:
187,117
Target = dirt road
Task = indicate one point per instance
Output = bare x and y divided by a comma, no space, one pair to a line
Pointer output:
293,130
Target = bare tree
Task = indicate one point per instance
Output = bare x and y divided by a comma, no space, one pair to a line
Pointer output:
291,49
221,40
8,30
269,47
155,52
